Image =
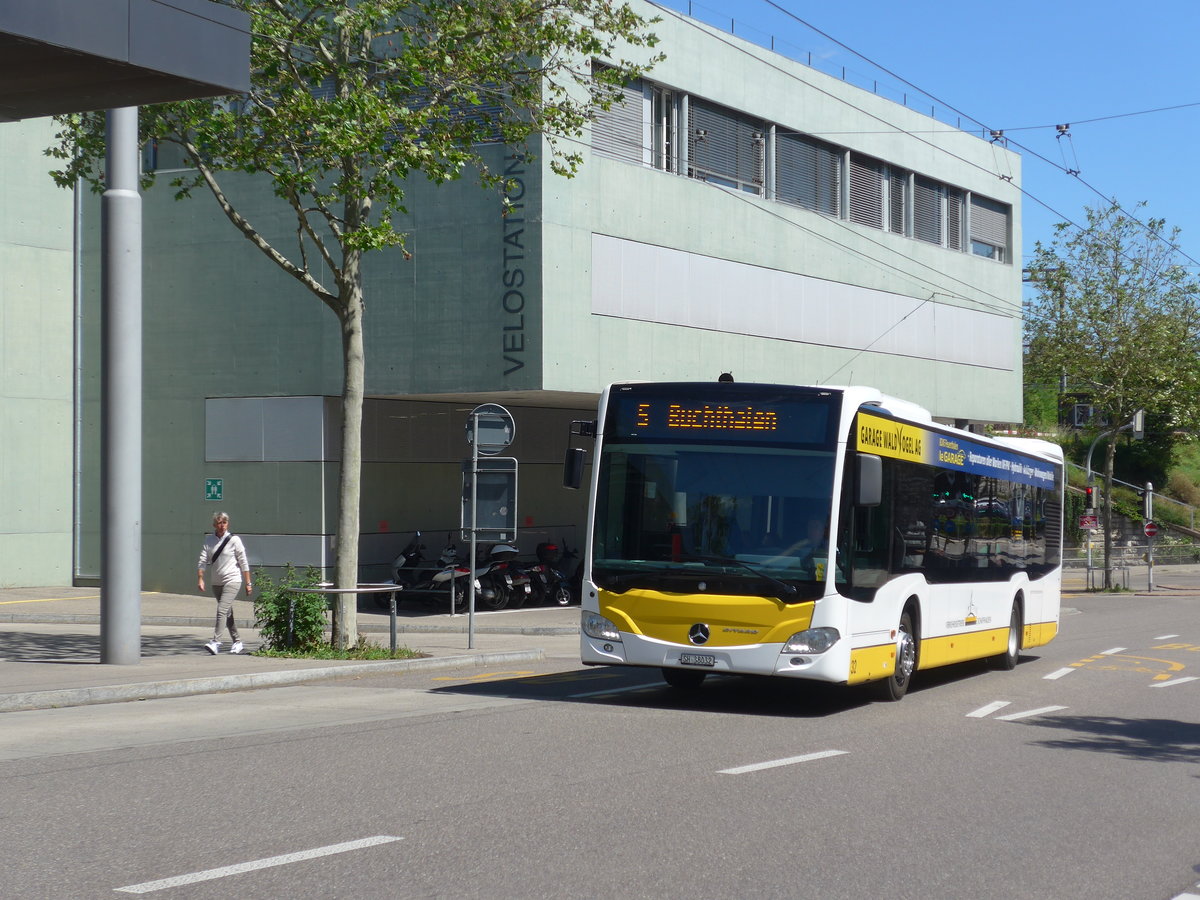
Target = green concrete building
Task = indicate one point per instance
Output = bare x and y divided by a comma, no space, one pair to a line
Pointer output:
739,212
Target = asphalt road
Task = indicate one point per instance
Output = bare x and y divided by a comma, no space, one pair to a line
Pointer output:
1074,776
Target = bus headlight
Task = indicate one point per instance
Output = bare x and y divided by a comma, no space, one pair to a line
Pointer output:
814,640
598,627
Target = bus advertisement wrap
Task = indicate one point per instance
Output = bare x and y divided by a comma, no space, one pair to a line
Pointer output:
900,440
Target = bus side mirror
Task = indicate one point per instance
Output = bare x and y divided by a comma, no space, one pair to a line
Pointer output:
573,467
868,479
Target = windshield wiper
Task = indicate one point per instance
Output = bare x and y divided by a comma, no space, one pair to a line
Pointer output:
728,560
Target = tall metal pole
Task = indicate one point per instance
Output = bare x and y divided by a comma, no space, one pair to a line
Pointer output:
1149,516
474,525
121,395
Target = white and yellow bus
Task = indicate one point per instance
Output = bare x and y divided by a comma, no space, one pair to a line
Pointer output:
832,534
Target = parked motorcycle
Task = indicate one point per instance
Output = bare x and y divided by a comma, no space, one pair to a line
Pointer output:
452,576
501,580
549,583
405,570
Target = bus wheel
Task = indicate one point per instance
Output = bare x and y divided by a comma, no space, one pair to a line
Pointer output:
896,685
683,679
1012,650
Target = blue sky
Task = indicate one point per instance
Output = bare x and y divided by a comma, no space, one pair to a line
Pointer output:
1024,67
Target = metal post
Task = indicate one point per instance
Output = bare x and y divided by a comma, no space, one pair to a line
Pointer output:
1150,538
121,395
474,526
392,605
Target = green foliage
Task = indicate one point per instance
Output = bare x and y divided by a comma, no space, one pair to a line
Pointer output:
364,651
1041,408
290,620
1118,317
348,98
1183,488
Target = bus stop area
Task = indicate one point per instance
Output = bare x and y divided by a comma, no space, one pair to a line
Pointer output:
50,642
50,647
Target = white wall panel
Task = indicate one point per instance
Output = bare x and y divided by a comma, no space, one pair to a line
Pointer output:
634,280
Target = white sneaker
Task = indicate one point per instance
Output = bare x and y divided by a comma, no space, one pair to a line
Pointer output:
236,648
213,647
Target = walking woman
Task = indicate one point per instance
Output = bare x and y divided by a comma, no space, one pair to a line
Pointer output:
225,558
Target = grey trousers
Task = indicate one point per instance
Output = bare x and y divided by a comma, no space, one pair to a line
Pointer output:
226,593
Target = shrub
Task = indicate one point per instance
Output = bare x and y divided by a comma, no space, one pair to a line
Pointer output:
1183,488
290,619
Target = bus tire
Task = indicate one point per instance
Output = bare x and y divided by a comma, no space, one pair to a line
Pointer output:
683,679
1012,649
895,686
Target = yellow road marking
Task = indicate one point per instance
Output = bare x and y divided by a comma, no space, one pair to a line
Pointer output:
47,600
576,676
1156,671
486,676
59,599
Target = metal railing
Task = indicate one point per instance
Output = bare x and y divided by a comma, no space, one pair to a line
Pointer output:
1158,498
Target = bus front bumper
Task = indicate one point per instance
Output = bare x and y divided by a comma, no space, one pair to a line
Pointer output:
751,659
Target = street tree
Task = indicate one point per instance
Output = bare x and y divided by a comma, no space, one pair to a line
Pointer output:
1117,317
348,99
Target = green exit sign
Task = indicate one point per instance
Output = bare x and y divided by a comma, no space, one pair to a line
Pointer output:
214,488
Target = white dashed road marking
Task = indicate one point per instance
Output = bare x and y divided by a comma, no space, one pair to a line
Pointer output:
1182,680
791,760
210,874
1029,712
985,711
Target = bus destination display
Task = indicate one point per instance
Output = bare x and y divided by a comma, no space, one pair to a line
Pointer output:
770,420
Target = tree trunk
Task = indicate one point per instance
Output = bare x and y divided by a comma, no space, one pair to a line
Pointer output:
345,618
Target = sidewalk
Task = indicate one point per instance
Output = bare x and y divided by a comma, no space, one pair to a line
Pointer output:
50,647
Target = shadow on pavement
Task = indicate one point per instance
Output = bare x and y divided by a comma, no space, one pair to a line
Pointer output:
85,648
1153,740
645,689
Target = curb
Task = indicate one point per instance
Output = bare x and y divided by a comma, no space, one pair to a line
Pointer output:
184,687
251,625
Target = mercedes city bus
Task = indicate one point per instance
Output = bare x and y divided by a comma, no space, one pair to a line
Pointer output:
832,534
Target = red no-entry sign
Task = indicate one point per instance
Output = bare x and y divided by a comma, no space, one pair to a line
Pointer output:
1150,529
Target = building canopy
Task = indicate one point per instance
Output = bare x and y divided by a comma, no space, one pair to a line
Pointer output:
60,56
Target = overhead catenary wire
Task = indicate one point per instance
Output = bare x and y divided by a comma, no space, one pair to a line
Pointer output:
1156,235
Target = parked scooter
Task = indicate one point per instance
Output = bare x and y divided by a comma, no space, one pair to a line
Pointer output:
453,574
501,580
405,570
549,583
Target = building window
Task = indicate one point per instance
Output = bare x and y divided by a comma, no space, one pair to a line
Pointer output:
897,200
989,228
726,148
808,173
672,131
617,131
865,183
954,218
664,125
928,197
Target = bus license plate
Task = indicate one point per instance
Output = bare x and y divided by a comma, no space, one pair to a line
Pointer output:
697,659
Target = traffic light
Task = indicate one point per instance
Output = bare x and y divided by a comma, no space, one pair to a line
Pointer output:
1089,503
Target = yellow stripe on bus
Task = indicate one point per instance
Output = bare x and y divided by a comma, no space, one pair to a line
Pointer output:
1039,633
956,648
733,621
873,663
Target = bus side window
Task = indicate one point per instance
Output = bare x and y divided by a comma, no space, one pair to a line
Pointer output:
871,541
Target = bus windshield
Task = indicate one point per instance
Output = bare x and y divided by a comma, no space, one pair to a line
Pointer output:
736,511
